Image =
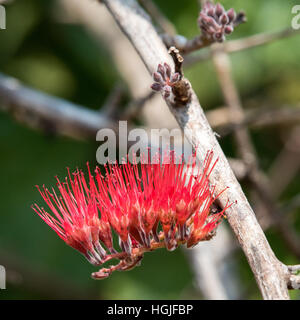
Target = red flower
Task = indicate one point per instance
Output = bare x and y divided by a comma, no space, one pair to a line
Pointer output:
149,206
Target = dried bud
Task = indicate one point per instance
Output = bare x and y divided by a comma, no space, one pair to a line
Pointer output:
164,80
215,22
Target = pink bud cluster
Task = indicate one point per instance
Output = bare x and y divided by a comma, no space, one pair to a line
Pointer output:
215,22
164,80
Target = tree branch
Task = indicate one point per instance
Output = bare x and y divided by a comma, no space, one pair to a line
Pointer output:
54,115
268,271
45,112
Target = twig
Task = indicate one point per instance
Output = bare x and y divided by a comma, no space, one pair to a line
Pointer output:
178,60
184,45
243,44
270,274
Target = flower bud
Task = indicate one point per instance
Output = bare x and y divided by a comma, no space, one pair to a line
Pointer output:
215,22
164,80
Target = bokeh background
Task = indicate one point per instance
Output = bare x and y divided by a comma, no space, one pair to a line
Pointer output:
51,53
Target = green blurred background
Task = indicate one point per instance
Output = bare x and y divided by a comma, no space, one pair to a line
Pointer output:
64,60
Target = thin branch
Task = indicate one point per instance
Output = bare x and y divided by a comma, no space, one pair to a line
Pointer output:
243,44
268,271
185,45
178,60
